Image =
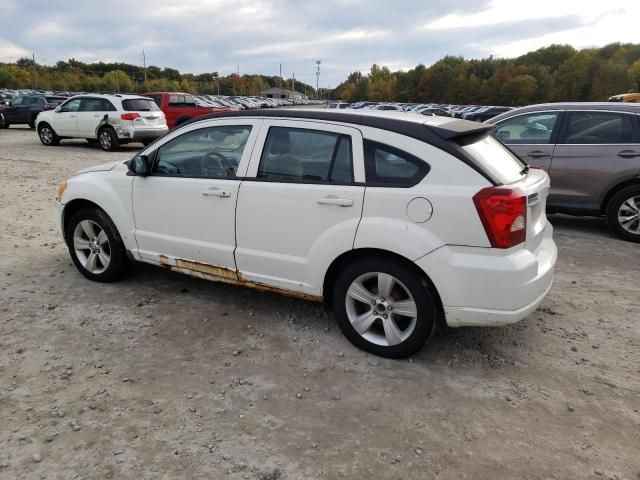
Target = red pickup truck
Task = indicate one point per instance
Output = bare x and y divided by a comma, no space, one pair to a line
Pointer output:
180,107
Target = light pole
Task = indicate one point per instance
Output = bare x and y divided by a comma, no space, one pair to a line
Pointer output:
317,76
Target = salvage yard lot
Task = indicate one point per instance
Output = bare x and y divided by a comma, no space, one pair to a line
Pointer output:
165,376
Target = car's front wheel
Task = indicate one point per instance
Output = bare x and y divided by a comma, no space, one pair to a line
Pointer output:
108,139
95,246
623,214
384,307
47,135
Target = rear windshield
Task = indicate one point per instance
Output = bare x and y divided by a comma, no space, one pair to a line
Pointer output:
496,160
140,105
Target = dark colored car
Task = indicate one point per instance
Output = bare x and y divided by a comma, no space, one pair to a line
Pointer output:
485,113
591,152
24,109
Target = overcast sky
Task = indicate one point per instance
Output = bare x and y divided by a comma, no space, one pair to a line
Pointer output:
346,35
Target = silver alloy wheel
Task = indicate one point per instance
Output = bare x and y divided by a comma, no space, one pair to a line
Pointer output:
91,245
105,140
381,309
46,135
629,215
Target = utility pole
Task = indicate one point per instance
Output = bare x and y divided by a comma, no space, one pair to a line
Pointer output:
35,72
293,81
117,82
317,77
144,63
280,78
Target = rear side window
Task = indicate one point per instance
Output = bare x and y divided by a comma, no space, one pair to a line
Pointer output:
495,159
386,166
599,127
532,128
139,105
301,155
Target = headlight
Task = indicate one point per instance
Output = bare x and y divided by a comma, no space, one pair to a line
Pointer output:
61,188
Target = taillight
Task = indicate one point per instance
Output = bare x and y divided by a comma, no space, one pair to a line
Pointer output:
503,212
130,116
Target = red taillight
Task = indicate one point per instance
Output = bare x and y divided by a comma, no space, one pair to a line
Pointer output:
503,212
130,116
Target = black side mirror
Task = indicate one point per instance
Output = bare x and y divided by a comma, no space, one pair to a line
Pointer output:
139,165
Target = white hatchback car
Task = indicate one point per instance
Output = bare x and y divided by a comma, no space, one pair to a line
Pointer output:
400,222
110,120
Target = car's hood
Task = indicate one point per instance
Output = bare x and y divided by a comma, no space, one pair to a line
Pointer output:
104,167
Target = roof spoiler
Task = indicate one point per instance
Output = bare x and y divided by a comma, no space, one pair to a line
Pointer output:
458,129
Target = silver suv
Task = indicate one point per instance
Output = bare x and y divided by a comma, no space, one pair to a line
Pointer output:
591,152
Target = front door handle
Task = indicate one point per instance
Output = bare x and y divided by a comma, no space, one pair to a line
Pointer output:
333,200
216,192
97,115
538,154
628,154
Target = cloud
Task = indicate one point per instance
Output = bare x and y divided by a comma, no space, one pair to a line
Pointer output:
259,35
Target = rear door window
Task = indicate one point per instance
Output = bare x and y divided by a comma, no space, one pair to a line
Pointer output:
599,128
532,128
304,155
387,166
140,105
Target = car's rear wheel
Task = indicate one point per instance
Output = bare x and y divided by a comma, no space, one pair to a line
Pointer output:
108,139
47,135
95,246
384,307
623,214
32,122
5,125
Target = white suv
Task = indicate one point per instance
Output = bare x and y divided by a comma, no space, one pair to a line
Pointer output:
398,221
110,120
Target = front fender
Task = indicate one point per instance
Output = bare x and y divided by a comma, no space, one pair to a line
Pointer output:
111,191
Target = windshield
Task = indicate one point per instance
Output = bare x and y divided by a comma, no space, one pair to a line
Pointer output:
496,160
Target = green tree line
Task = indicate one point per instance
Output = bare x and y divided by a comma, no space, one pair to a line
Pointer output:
76,76
554,73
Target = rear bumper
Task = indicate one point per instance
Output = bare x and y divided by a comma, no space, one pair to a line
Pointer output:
488,286
138,134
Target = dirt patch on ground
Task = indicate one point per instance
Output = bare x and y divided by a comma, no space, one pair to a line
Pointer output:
162,376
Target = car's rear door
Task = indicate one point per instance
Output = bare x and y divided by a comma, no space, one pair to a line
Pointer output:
301,202
185,209
596,149
91,113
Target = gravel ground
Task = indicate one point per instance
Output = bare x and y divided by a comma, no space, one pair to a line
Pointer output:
169,377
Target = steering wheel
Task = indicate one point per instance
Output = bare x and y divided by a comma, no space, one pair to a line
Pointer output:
214,164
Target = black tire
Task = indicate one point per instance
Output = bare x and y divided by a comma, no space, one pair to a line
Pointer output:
418,288
613,208
108,139
5,125
92,141
32,122
119,262
148,142
47,135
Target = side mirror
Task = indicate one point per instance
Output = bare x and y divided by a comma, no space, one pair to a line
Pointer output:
57,109
139,165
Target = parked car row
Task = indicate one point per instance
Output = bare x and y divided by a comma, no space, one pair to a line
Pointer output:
478,113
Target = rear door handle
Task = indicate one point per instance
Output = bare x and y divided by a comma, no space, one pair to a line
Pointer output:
538,154
216,192
628,154
333,200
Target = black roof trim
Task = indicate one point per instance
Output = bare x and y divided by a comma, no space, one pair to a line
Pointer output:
443,136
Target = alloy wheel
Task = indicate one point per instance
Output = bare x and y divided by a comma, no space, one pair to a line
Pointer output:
105,140
46,135
381,309
91,246
629,215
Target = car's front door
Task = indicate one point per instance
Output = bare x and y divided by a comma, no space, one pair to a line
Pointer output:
300,204
596,149
66,118
185,209
532,136
13,112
